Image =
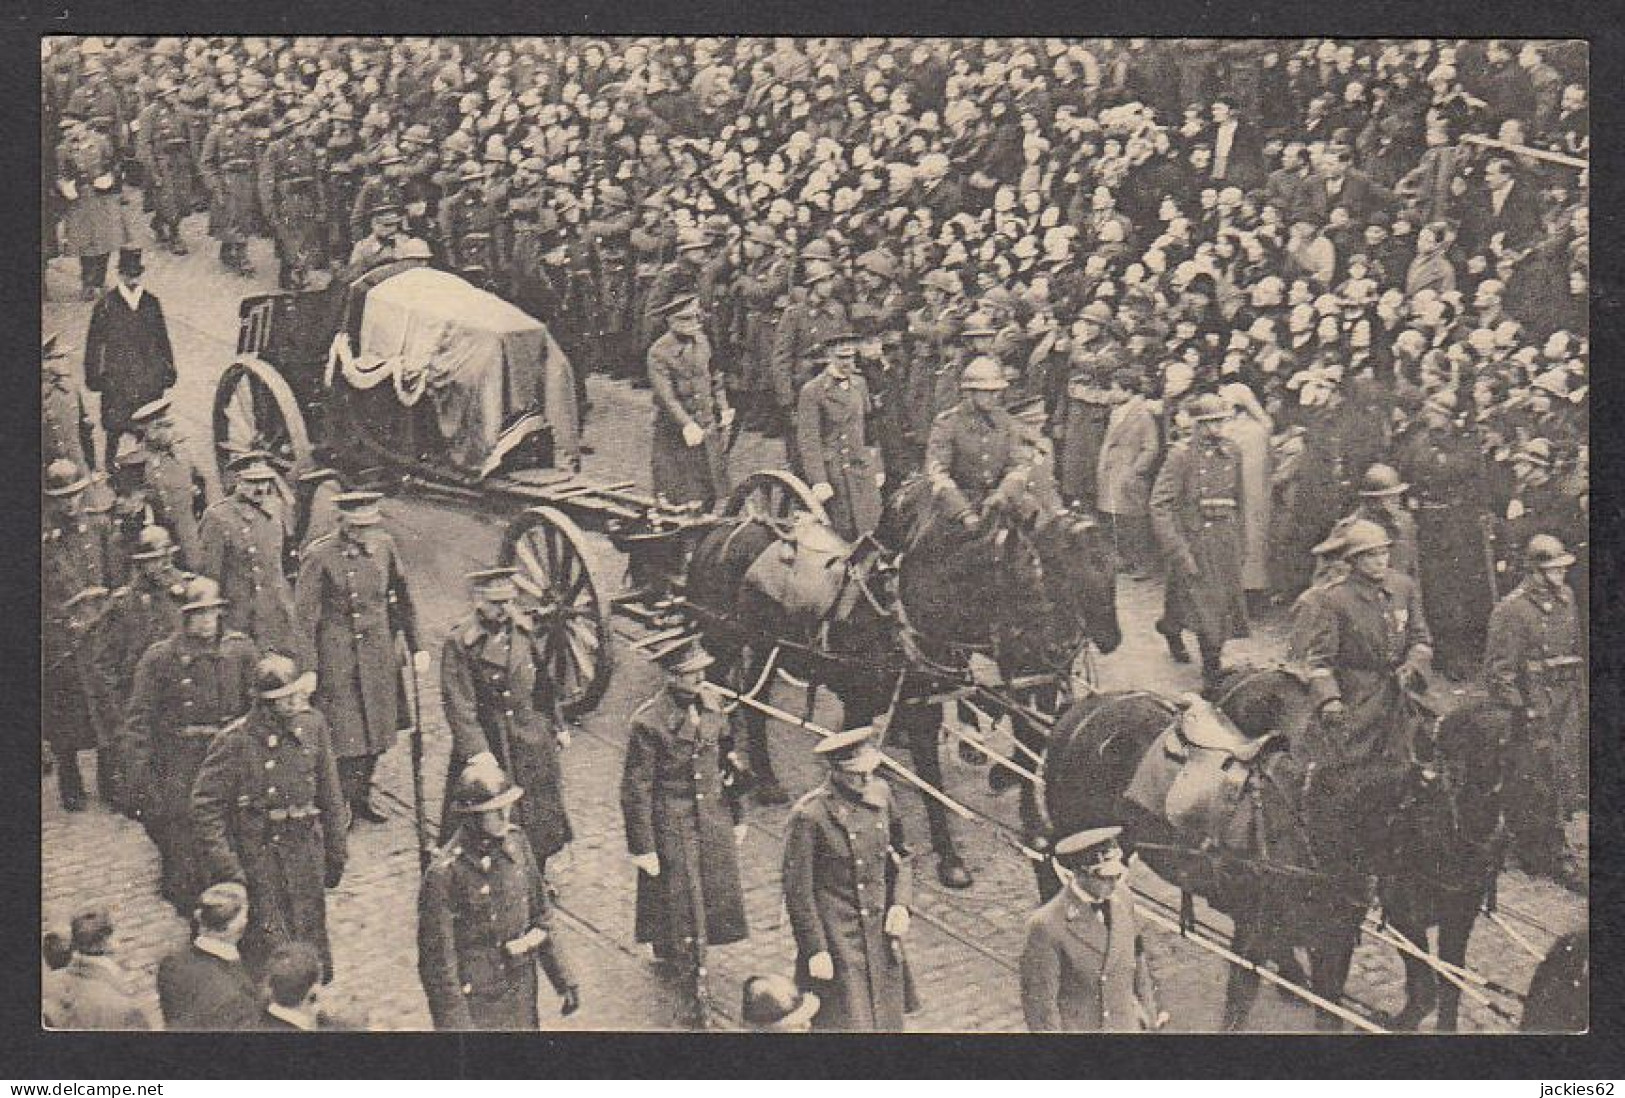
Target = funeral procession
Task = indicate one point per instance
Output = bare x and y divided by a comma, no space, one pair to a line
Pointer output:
815,534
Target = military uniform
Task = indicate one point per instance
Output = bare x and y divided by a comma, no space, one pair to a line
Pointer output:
803,327
180,491
65,428
971,456
242,551
164,148
1446,473
1084,968
467,229
137,616
1360,635
375,193
297,207
1196,510
844,867
267,812
1532,664
185,690
832,444
672,805
686,390
76,552
477,896
227,165
498,700
351,599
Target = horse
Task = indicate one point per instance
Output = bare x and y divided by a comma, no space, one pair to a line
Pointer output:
1026,592
1321,841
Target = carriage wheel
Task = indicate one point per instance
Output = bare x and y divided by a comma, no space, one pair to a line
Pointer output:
573,624
254,409
775,494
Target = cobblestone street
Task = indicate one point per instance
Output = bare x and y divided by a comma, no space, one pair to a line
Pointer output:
964,946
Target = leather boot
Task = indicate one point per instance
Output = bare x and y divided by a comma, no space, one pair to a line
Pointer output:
1176,643
951,871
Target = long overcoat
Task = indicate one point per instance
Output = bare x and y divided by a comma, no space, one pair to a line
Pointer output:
1250,431
128,357
1084,968
242,551
268,812
687,390
832,444
93,221
498,698
1196,505
227,167
672,805
1128,459
844,866
351,599
163,144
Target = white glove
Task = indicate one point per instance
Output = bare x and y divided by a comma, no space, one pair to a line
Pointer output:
417,209
68,188
822,492
740,831
420,662
563,736
727,418
648,864
103,182
821,966
693,434
896,920
880,480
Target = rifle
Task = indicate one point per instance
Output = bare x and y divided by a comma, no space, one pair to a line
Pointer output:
410,686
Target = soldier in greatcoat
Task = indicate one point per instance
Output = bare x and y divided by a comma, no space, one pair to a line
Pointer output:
244,537
163,145
973,457
1196,504
297,206
678,828
187,687
832,442
268,813
92,212
501,707
177,486
810,318
65,429
1367,651
204,985
692,414
1084,968
484,918
1533,666
227,167
848,886
352,601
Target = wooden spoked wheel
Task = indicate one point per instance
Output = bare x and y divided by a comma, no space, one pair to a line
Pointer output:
775,495
572,621
255,409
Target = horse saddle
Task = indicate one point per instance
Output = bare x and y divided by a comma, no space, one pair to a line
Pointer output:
1195,777
804,570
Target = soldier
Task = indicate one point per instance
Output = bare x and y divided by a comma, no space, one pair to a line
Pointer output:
93,215
1084,968
65,430
806,323
692,414
484,917
341,159
244,537
268,813
1196,505
467,222
385,187
678,826
760,293
227,166
1539,504
848,886
164,148
935,358
93,991
973,457
500,706
611,250
296,206
1367,651
177,486
381,245
1382,501
1533,666
832,441
203,984
128,357
686,274
352,601
187,687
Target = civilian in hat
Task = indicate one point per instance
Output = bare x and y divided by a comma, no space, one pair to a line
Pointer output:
1534,667
811,317
1129,454
1085,968
678,829
832,441
204,985
244,539
93,991
128,359
268,812
849,886
500,707
1367,651
973,457
484,917
93,224
692,414
227,166
65,430
175,484
1196,505
773,1004
352,601
187,687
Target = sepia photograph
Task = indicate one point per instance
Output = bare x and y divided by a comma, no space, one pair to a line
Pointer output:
780,534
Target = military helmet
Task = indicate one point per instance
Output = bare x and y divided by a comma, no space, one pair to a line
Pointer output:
979,324
1381,480
1362,536
1546,551
276,675
775,1003
483,787
153,543
201,593
983,374
63,478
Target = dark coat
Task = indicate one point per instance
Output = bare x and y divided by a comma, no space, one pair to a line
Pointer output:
686,390
844,866
1084,968
227,166
1196,506
93,221
267,811
970,456
498,700
351,599
471,904
672,804
803,327
180,490
833,448
200,991
128,359
65,430
242,551
163,144
1533,664
1360,195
